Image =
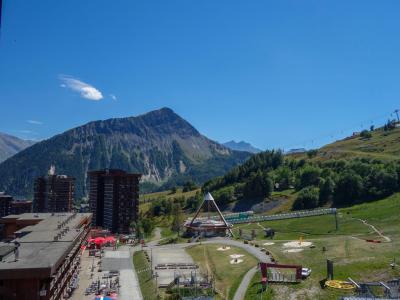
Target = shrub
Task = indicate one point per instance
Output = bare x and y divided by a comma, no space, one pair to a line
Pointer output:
365,134
307,198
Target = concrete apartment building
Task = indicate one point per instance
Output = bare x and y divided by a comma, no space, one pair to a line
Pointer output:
5,203
20,207
14,207
114,199
53,193
42,262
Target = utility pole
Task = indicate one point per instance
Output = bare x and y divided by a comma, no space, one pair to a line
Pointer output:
397,114
336,221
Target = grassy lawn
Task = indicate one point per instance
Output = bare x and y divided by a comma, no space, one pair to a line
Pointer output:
227,276
147,284
352,255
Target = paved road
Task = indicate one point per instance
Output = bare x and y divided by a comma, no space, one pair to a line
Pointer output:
121,260
242,288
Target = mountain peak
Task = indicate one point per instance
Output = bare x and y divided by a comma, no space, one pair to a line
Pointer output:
163,110
241,146
160,144
166,120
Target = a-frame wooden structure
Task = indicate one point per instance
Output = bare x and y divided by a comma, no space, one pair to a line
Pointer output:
208,203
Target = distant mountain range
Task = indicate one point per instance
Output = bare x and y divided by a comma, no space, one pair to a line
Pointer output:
10,145
241,146
161,145
296,150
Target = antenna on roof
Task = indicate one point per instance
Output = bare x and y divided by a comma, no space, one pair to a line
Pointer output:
16,250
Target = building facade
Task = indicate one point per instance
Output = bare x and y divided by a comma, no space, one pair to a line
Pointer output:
20,207
42,263
53,193
5,203
114,199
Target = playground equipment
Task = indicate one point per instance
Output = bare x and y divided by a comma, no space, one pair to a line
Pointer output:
339,284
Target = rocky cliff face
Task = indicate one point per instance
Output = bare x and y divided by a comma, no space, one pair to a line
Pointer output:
161,145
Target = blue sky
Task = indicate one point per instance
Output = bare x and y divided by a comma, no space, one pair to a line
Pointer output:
274,73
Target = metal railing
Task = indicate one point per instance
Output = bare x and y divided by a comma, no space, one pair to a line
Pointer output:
298,214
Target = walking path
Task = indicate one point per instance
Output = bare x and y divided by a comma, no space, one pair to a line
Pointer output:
376,230
242,288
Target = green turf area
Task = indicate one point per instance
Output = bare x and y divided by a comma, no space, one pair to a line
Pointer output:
227,276
146,282
352,255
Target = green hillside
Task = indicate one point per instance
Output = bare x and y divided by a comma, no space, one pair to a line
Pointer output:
355,170
381,145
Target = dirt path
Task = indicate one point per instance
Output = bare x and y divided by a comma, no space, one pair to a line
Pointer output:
157,237
386,238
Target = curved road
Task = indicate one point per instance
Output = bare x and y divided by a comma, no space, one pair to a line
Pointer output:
242,288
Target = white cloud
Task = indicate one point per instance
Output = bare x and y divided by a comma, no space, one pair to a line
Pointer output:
34,122
86,90
112,96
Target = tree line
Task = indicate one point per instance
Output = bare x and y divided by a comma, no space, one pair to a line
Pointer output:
340,182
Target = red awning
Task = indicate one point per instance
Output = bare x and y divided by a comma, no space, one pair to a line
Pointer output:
99,240
110,239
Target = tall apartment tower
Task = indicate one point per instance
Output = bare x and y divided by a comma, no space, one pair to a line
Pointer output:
114,199
53,193
5,204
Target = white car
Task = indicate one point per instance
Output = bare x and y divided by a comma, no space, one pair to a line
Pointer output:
305,272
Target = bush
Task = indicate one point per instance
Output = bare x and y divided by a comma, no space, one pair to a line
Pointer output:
189,186
349,188
259,185
308,198
326,191
309,176
225,195
312,153
365,134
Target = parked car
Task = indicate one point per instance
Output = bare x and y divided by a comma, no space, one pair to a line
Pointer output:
305,272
